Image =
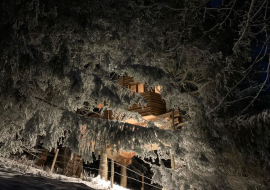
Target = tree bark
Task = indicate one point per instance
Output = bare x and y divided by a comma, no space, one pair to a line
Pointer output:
103,164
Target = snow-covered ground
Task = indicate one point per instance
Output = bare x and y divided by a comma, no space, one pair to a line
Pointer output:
16,175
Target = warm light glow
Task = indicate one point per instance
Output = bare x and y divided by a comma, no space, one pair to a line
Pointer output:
140,88
157,89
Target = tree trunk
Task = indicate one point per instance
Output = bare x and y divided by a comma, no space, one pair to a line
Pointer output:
103,164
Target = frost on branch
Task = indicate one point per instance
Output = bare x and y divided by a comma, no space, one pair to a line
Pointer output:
208,60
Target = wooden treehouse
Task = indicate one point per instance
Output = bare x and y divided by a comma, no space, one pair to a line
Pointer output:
155,109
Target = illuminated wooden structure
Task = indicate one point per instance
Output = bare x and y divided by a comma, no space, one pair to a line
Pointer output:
155,109
155,105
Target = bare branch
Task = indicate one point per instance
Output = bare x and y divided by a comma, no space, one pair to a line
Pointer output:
239,82
262,86
247,23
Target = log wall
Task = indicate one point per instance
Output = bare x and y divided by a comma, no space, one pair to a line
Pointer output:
155,105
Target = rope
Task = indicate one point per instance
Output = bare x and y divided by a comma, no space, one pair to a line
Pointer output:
110,171
134,171
129,178
138,180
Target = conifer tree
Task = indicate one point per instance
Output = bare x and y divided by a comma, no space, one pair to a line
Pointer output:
211,59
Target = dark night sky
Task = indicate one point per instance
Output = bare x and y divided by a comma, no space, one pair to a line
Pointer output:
262,65
215,3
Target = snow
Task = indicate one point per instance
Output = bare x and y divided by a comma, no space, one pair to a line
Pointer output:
18,174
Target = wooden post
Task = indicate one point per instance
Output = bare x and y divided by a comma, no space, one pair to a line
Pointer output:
172,161
54,160
173,120
79,169
112,173
74,164
172,156
103,163
123,181
142,181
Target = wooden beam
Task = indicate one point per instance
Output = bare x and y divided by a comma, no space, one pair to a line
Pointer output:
173,128
54,160
112,172
123,180
142,181
172,156
172,161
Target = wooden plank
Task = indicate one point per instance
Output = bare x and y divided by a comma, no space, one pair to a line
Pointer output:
112,172
159,109
74,164
143,112
150,102
139,109
79,169
168,114
146,114
158,100
123,179
158,112
158,105
142,182
54,160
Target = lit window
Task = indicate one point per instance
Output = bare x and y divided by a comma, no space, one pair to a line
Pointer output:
140,88
133,87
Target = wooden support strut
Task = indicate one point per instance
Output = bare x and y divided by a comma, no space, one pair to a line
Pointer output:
142,181
112,172
123,180
74,168
172,156
54,160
